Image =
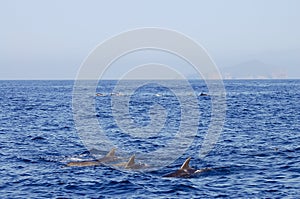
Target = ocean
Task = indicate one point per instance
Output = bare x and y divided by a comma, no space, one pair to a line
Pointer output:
257,154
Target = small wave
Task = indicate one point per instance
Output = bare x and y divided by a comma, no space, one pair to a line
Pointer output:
26,160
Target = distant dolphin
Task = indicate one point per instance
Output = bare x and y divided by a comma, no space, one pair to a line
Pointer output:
110,157
186,171
131,164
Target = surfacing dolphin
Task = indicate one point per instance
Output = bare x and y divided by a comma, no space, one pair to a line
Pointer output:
186,171
110,157
131,164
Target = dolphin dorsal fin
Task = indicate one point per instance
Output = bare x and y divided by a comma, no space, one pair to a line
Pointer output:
186,163
111,153
130,162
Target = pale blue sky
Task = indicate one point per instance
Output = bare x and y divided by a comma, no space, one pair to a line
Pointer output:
49,39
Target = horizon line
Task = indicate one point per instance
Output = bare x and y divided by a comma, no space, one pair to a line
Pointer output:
67,79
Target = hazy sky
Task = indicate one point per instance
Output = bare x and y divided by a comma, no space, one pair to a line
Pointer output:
50,39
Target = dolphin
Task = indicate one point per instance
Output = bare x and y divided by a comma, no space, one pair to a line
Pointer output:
186,171
110,157
131,164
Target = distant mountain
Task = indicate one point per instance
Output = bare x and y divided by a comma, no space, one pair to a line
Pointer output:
254,69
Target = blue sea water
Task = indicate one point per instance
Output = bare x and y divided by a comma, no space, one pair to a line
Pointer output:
256,156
